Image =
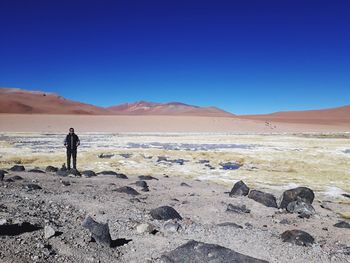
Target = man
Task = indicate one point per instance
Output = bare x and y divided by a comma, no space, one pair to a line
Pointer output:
72,142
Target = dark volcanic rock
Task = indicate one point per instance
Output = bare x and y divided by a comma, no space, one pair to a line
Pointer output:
165,213
127,190
88,173
239,189
51,169
237,209
346,195
16,178
17,168
297,237
342,224
230,166
99,232
31,187
105,155
141,184
230,224
198,252
117,175
62,173
74,172
121,176
2,175
36,171
302,193
263,198
184,184
147,177
145,189
305,210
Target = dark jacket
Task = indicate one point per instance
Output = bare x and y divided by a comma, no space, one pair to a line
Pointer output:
72,141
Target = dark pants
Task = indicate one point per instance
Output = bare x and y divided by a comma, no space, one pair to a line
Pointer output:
72,153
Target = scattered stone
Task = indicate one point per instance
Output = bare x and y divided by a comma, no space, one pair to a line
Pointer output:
184,184
300,193
62,173
2,175
144,228
165,159
147,177
285,221
239,189
141,184
49,232
171,226
88,173
198,252
105,155
230,224
17,168
65,183
121,176
263,198
31,187
145,189
36,171
73,173
17,178
297,237
127,190
165,213
51,169
342,224
230,166
346,195
126,155
99,232
305,210
3,221
117,175
237,209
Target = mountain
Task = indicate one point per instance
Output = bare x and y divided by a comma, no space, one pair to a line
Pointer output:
22,101
171,108
332,115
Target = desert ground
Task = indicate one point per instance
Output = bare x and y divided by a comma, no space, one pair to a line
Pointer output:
195,173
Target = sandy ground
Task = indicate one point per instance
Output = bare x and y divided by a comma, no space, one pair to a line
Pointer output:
86,123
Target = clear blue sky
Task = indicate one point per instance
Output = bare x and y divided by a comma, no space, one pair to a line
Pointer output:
243,56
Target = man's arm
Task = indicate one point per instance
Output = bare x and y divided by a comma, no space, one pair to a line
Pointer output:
78,141
65,142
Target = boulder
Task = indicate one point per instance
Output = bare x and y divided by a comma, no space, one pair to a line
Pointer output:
239,189
99,232
300,193
297,237
165,213
263,198
17,168
127,190
147,177
141,184
198,252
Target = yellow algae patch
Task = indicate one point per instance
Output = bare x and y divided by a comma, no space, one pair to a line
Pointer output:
345,215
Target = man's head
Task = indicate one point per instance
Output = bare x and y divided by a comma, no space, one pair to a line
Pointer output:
71,130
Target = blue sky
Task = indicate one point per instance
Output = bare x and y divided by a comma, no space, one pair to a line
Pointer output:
242,56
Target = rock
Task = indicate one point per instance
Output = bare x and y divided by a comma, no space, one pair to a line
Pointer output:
117,175
127,190
230,224
36,171
144,228
62,173
73,173
51,169
126,155
105,155
88,173
121,176
31,187
165,213
342,224
17,168
184,184
301,208
345,215
198,252
65,183
3,222
263,198
300,193
237,209
239,189
2,175
99,232
171,226
346,195
49,232
145,189
141,184
17,178
297,237
147,177
230,166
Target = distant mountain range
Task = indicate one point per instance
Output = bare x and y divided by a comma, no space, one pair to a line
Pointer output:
21,101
